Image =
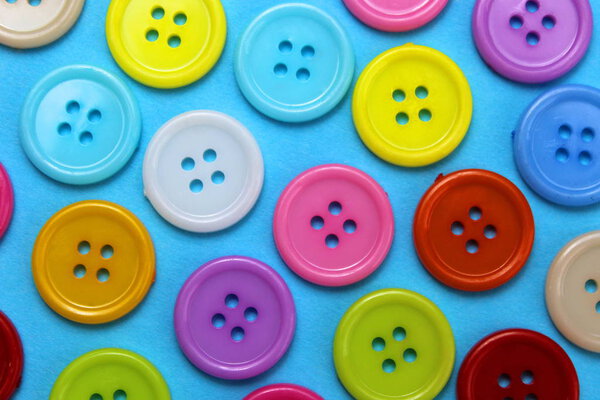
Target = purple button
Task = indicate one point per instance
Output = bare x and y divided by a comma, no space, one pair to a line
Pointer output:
234,317
532,41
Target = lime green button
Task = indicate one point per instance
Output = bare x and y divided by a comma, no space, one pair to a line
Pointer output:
110,374
394,344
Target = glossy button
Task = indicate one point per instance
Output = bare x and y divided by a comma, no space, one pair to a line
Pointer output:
283,392
11,358
234,317
33,23
80,125
517,364
304,66
532,41
473,230
6,200
395,15
93,262
333,225
573,293
412,106
393,344
203,171
110,374
166,44
557,145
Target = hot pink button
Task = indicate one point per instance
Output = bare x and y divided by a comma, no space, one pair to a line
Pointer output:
333,225
283,392
395,15
6,200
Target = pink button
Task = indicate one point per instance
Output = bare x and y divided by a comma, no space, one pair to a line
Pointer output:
6,200
283,391
333,225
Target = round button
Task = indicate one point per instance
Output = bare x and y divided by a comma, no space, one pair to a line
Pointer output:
395,16
166,44
11,358
283,392
473,230
6,200
556,145
412,106
234,318
33,23
305,67
203,171
80,125
93,262
393,344
517,364
572,291
333,225
110,374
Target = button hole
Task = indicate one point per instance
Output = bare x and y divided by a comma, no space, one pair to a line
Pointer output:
218,321
332,241
232,301
516,22
378,344
103,275
237,334
472,246
349,226
421,92
504,381
591,286
317,222
410,355
549,22
158,13
457,228
180,19
388,366
533,38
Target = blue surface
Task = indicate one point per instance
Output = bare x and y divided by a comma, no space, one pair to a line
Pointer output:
52,342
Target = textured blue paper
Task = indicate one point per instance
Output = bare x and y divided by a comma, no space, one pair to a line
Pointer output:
52,342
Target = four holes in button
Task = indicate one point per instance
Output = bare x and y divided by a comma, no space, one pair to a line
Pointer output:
286,47
65,128
179,19
388,365
565,133
332,240
196,185
548,22
420,92
218,320
489,231
84,248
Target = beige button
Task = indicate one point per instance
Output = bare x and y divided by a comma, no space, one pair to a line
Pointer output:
573,291
32,23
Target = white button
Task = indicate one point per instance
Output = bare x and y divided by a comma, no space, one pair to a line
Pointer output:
203,171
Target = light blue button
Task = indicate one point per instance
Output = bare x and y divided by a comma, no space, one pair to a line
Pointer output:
294,63
557,145
80,125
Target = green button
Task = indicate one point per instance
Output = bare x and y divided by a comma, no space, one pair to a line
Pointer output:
394,344
109,374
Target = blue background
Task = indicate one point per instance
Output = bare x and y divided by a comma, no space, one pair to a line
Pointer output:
51,342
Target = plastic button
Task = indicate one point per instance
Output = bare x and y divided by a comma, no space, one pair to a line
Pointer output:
412,106
11,358
572,291
93,262
556,145
203,171
6,200
110,374
305,63
283,392
517,364
80,125
473,230
395,16
234,317
33,23
166,44
393,344
333,225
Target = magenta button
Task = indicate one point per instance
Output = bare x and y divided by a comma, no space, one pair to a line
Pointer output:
6,200
283,391
234,317
532,41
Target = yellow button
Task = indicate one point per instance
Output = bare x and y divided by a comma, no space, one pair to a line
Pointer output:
166,44
412,105
93,262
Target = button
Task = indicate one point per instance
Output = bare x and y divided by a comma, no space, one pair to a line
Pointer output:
166,44
393,344
283,392
517,364
80,125
473,230
234,317
412,106
305,63
532,41
572,291
11,358
6,200
33,23
93,262
333,225
203,171
395,16
110,374
556,145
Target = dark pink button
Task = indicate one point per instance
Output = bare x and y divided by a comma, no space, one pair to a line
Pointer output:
6,200
284,391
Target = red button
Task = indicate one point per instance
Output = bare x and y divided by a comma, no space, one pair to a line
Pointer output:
283,392
473,230
11,358
6,200
517,364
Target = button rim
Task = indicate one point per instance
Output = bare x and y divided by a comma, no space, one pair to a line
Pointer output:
9,333
280,391
7,200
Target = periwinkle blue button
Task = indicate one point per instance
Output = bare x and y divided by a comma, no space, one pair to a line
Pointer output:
80,125
557,145
294,63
